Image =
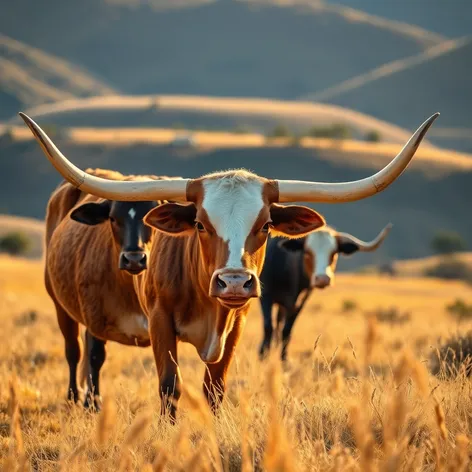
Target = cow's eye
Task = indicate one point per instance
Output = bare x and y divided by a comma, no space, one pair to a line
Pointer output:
265,228
112,219
199,226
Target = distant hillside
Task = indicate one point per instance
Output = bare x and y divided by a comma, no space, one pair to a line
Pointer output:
448,17
224,48
417,267
32,227
210,113
398,92
416,204
30,77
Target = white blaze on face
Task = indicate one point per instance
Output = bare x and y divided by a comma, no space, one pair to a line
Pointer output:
132,213
322,245
233,205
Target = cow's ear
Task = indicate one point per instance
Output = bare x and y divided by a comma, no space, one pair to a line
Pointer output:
292,244
175,219
92,214
294,221
347,247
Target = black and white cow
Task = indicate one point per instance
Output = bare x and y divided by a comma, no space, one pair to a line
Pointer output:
294,267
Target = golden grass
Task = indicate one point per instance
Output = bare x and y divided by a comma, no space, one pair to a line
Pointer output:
355,394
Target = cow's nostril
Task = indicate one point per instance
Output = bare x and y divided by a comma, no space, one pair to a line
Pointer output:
221,283
249,283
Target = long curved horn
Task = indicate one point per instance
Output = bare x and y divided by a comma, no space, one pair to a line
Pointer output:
172,189
296,190
363,246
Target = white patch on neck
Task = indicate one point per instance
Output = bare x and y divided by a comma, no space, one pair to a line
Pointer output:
132,213
322,244
233,208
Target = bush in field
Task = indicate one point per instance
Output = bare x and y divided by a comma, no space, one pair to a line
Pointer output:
460,309
335,131
15,243
348,306
373,136
454,357
447,242
450,269
280,131
392,316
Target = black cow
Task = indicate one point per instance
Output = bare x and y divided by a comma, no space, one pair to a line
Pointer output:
293,268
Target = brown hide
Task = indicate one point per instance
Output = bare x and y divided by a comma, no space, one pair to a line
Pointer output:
81,269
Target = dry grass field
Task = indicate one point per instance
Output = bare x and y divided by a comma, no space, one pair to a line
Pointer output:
355,394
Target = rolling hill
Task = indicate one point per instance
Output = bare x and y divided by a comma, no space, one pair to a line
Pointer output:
397,92
209,113
223,48
451,18
29,77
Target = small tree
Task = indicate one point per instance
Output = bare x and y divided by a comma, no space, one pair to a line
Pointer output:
334,131
280,131
15,243
340,131
373,136
447,242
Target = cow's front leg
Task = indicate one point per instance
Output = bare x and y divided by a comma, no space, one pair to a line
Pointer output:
214,384
287,332
164,346
266,304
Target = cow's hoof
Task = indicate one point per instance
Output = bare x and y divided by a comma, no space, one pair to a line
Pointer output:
93,404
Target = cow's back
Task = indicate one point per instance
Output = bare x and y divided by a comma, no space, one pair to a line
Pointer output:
61,202
282,276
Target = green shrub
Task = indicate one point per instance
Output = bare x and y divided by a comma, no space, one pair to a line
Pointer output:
15,243
280,131
335,131
450,269
373,136
392,316
453,358
447,242
348,305
460,309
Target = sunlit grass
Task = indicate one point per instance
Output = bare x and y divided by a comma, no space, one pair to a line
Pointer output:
356,393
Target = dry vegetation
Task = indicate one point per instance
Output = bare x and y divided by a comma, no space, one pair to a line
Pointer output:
355,394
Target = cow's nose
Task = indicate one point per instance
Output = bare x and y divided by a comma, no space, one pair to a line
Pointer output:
322,281
234,287
133,261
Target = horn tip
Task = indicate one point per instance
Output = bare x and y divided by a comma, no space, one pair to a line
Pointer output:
26,118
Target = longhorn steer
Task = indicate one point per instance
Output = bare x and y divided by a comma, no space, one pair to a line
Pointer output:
294,267
93,248
208,252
